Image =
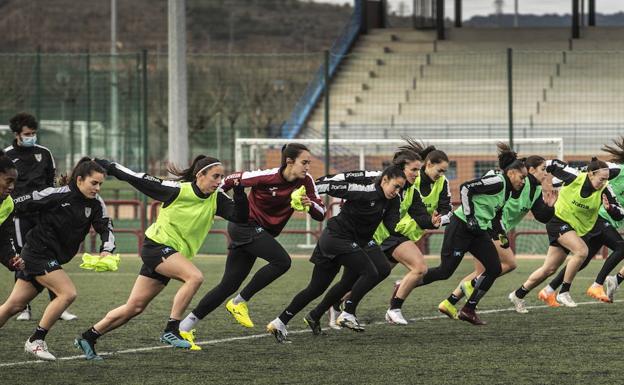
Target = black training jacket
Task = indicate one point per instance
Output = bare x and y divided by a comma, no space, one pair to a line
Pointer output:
65,218
365,208
35,168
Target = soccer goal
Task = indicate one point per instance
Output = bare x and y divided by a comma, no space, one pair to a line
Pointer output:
469,158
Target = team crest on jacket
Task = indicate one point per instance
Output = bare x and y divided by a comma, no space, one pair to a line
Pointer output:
38,157
87,212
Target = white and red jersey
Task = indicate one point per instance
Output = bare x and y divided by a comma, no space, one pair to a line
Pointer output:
269,198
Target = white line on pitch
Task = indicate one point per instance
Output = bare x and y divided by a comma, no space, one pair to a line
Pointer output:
255,336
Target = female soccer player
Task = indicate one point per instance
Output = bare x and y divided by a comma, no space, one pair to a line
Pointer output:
604,233
347,241
425,204
576,213
66,216
529,198
269,211
185,218
482,199
8,177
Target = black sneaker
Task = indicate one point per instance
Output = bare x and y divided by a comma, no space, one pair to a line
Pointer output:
313,324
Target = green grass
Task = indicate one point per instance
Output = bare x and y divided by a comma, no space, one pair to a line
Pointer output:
546,346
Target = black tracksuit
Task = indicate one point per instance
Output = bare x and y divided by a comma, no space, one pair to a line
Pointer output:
35,172
347,241
65,218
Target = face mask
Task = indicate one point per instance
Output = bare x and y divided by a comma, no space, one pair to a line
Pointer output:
29,141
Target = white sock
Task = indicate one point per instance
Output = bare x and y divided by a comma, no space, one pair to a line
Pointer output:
189,322
238,299
549,290
595,284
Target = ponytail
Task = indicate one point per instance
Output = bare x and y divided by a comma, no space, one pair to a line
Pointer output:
427,153
596,164
84,168
616,151
201,164
508,158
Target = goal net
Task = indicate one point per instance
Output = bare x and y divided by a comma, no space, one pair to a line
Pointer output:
469,159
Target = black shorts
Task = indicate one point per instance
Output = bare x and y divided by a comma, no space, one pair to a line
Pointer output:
330,245
36,265
244,234
556,228
152,255
391,243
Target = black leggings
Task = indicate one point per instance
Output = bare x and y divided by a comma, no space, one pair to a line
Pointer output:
360,276
238,264
457,241
607,237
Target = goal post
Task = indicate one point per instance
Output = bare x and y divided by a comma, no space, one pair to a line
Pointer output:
469,158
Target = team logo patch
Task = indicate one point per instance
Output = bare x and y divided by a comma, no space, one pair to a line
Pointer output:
372,204
38,157
564,228
87,212
53,263
354,245
259,230
458,253
166,250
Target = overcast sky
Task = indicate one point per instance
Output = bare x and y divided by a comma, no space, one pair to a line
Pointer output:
485,7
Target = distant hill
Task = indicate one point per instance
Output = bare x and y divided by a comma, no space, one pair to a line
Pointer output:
262,26
213,25
552,20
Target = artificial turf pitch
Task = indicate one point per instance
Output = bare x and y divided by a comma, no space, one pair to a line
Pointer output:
546,346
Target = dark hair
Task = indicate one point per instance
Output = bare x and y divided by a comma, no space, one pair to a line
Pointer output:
23,119
292,151
427,153
5,163
406,153
393,171
596,164
508,158
190,174
85,167
534,161
617,151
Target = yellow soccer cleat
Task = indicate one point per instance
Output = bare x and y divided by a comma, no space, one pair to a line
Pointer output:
549,299
598,293
445,307
240,313
190,337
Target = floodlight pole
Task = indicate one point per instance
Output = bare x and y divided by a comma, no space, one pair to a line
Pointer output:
178,117
576,29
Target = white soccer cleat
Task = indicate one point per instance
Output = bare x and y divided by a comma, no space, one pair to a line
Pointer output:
278,330
518,303
333,316
39,349
348,320
25,315
67,316
611,286
566,300
395,317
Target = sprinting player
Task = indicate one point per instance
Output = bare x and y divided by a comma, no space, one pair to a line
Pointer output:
576,213
189,205
425,204
604,233
66,215
347,241
36,169
269,211
8,254
482,200
529,198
